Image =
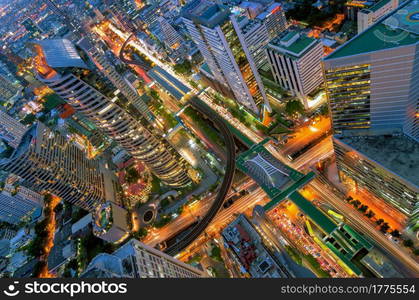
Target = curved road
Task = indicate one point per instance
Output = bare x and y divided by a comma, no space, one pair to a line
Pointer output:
225,186
140,65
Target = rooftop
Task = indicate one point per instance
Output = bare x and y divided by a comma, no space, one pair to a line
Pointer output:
399,154
205,12
277,179
61,53
293,43
176,88
400,28
379,5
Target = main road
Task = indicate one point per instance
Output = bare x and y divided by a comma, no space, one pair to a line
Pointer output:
222,192
408,266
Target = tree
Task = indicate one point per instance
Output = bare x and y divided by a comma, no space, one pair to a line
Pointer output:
379,221
395,233
293,107
154,94
385,227
142,233
59,207
28,119
370,214
132,175
408,243
324,110
183,68
363,208
416,252
165,202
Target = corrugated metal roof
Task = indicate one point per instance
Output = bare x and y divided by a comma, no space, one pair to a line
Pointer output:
61,53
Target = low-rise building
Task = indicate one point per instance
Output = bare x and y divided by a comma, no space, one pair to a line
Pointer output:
111,223
249,251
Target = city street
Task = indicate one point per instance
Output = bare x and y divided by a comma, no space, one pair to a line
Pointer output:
398,256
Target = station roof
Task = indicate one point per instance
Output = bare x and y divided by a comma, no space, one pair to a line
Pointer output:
172,85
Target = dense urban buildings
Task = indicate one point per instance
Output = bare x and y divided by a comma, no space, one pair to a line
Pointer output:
137,260
207,138
64,71
11,130
219,38
47,162
373,98
18,203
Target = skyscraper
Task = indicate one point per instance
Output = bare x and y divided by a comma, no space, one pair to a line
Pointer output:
137,260
295,62
172,39
219,38
274,19
60,66
47,162
372,88
19,203
372,80
98,57
256,37
11,130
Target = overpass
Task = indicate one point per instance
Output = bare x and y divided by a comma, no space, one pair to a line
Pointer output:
281,182
225,185
128,61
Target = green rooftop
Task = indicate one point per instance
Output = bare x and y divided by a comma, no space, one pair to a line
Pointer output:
276,179
399,29
294,48
320,219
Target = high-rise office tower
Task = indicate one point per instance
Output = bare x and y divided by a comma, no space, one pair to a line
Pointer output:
368,16
219,38
98,57
373,92
295,62
60,66
11,130
137,260
19,203
273,17
256,37
172,38
372,80
48,162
